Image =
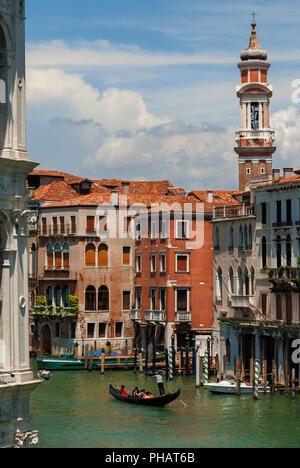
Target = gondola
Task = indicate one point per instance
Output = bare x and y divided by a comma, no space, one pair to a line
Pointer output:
158,401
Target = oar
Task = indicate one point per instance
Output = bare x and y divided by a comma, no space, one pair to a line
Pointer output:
179,399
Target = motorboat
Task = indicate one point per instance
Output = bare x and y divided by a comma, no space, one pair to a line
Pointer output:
228,386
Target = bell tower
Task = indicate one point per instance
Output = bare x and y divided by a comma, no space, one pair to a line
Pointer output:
255,138
16,377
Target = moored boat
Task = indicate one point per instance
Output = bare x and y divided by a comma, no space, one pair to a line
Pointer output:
229,387
158,401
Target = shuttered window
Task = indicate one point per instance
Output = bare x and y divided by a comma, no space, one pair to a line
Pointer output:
182,263
73,225
126,300
58,257
90,256
126,256
62,225
103,255
49,257
90,223
54,222
278,308
66,256
44,226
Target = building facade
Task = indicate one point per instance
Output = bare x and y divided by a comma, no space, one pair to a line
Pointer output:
16,378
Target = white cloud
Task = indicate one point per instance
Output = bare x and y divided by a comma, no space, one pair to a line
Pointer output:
69,95
102,53
286,124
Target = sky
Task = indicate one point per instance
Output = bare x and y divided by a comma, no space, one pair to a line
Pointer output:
136,89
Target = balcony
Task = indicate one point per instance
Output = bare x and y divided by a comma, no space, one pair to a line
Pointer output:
135,315
233,211
241,302
47,231
57,273
155,316
54,312
254,137
283,224
285,278
183,317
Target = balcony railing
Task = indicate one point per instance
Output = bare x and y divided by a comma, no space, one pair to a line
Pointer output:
233,211
252,135
135,314
47,231
286,278
55,312
155,316
281,224
183,317
240,302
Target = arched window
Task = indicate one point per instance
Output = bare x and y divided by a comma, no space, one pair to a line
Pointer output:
57,296
245,238
49,257
231,234
216,238
58,256
250,237
253,285
241,238
240,282
90,255
66,256
32,299
228,351
247,282
278,251
66,296
49,296
103,256
264,252
289,251
103,298
90,298
231,281
219,284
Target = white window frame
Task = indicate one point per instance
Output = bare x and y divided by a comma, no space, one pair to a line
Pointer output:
153,233
187,223
138,262
188,299
182,254
153,255
165,290
163,255
152,288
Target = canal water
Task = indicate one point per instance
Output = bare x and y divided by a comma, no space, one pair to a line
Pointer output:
75,410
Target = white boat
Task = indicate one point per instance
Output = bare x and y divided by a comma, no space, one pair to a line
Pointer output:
229,387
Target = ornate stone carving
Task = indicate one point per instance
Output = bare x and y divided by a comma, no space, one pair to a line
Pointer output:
26,439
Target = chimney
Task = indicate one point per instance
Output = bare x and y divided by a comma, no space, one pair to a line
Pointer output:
114,198
288,172
125,188
210,196
276,175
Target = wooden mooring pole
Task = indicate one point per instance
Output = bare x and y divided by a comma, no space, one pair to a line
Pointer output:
293,383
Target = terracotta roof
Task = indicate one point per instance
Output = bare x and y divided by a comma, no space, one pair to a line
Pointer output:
143,187
282,181
57,190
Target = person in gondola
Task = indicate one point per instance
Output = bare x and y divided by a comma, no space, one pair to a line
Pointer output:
135,392
160,383
123,393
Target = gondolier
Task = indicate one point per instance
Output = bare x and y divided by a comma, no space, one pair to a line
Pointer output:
160,383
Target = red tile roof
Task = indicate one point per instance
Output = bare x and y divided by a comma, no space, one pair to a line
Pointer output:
57,190
282,181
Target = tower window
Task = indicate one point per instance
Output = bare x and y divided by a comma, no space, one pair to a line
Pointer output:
255,115
262,171
248,171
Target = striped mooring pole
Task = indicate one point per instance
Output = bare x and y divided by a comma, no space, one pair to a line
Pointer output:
255,380
206,371
171,371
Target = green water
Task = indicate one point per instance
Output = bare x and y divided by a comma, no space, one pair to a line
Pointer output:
74,409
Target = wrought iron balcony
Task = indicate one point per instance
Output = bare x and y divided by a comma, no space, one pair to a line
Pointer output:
155,316
183,317
135,314
67,230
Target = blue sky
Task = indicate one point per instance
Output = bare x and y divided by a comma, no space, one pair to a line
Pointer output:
146,89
